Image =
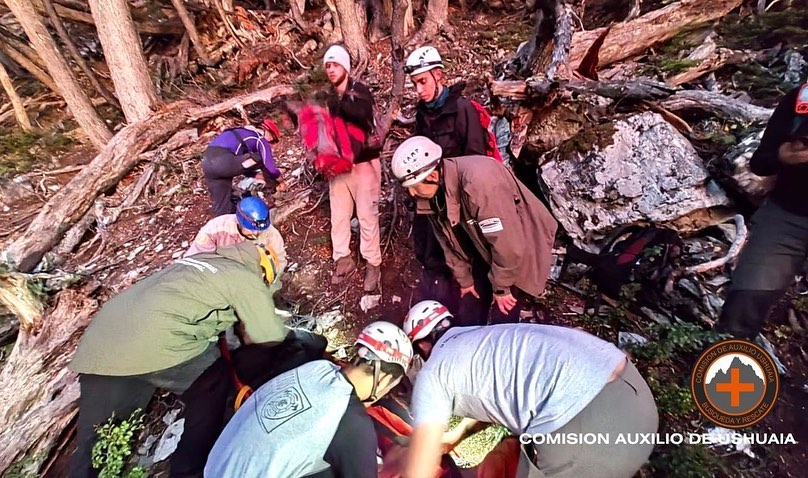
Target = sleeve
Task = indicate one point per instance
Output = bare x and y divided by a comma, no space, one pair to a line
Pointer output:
203,242
356,107
431,403
267,159
474,137
460,267
252,302
352,452
764,161
498,220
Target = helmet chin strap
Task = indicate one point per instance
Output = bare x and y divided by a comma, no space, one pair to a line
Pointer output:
437,90
376,371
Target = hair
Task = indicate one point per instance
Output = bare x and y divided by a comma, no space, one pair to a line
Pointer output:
388,368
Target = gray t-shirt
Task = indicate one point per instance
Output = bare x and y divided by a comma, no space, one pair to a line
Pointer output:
528,378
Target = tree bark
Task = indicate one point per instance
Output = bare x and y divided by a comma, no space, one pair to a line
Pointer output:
125,59
435,21
147,26
634,10
398,40
71,202
77,100
22,46
26,63
16,103
353,22
74,53
723,106
193,34
630,38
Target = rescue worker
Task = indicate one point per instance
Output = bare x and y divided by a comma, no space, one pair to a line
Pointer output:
535,380
778,237
311,421
162,333
251,222
238,151
449,119
359,188
480,208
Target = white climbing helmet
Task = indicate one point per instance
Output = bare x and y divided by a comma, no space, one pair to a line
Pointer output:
424,316
414,159
386,342
423,59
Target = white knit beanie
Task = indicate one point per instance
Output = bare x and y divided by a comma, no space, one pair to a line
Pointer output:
339,55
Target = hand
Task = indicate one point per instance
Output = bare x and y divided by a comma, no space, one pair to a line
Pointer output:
469,290
505,302
793,152
393,462
452,437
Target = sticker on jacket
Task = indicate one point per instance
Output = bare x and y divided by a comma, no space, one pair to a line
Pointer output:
491,225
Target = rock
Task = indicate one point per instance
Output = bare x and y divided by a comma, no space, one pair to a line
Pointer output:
734,167
627,339
636,169
368,302
169,441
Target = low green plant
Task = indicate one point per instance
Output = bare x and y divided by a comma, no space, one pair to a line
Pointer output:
113,448
671,398
670,340
695,461
25,468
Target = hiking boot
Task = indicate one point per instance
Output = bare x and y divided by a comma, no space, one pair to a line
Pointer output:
345,266
373,276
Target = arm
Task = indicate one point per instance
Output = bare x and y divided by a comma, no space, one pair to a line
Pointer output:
352,452
203,242
473,136
267,159
423,459
501,227
765,161
356,107
454,436
252,302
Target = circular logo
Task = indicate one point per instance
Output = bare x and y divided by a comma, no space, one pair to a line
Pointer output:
735,383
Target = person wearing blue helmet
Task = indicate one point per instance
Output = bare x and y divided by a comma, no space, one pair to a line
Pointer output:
251,221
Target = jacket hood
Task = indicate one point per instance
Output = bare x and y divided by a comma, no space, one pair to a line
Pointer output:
244,253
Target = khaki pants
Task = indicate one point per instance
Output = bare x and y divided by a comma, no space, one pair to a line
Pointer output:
626,406
361,188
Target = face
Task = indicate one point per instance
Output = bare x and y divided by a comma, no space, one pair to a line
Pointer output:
336,73
247,233
425,189
426,84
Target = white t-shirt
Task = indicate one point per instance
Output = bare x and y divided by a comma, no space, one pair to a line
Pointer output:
529,378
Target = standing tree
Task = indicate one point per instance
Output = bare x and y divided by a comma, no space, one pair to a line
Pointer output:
77,101
125,59
353,22
19,110
435,21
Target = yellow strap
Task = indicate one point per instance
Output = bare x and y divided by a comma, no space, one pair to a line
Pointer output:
243,394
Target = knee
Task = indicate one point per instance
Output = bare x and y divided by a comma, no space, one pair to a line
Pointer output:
745,312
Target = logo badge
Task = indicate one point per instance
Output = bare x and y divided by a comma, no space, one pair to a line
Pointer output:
735,383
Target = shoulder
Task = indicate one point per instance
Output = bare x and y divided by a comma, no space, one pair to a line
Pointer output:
360,87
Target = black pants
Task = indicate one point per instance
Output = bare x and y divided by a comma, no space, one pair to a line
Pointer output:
775,253
103,397
208,402
220,167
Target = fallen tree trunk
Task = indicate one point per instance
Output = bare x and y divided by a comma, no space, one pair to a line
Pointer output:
630,38
29,65
70,204
37,389
723,106
16,102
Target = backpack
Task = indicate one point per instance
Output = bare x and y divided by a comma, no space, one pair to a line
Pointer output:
329,138
644,255
491,148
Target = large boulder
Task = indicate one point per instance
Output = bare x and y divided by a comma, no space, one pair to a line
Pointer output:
635,169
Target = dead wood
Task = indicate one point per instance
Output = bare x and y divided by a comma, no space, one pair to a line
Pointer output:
397,41
562,40
57,24
28,64
709,58
16,102
19,299
228,24
630,38
22,46
723,106
193,34
37,389
171,26
122,152
737,244
537,90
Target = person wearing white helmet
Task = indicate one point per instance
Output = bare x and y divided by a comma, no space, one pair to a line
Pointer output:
535,380
449,119
360,188
311,421
479,209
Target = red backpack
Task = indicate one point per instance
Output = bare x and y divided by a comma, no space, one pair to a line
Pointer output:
491,148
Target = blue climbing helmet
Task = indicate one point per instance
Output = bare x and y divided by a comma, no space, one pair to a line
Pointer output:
253,214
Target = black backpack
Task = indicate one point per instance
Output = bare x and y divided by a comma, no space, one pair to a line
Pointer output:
644,255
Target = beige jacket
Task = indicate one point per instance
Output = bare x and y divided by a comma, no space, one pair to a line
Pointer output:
508,225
